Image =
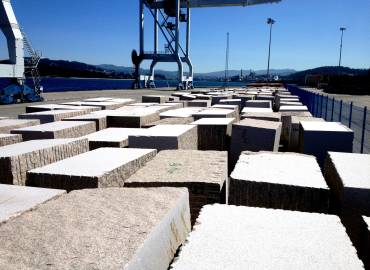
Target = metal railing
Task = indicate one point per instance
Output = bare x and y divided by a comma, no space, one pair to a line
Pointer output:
335,110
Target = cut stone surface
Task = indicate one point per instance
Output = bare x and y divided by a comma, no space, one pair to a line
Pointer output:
104,105
279,180
187,97
171,121
272,116
239,237
100,168
235,101
132,119
111,137
6,125
204,173
16,200
112,228
294,130
258,104
98,99
214,133
286,120
217,98
6,139
215,113
366,241
166,137
17,159
253,135
295,108
318,138
154,99
99,119
52,107
51,116
56,130
181,113
199,103
256,110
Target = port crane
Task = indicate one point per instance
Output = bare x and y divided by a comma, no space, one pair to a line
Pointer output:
17,66
168,16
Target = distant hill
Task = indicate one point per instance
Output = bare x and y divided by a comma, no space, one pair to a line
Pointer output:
327,71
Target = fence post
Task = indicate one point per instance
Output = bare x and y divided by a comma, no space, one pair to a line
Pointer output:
350,114
363,130
340,111
321,98
326,107
332,110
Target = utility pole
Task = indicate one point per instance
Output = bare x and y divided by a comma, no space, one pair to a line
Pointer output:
270,22
227,59
342,29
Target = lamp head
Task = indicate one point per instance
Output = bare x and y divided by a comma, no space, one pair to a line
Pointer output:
270,21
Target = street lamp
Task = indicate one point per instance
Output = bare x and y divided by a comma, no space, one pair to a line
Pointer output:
270,22
342,29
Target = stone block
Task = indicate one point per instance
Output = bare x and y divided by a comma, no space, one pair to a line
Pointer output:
198,103
233,101
215,113
279,180
6,125
239,237
100,168
56,130
104,105
51,116
17,159
112,228
52,107
98,99
6,139
204,173
187,97
271,116
318,138
214,133
217,98
181,113
258,104
296,108
132,118
171,121
154,99
286,120
111,137
294,123
256,110
99,119
166,137
16,200
253,135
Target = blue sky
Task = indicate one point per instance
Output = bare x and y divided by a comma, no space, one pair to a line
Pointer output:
306,34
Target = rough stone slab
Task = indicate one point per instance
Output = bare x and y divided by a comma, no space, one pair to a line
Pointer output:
100,168
104,105
6,139
258,104
233,101
286,120
295,108
279,180
154,99
56,130
217,98
175,105
271,116
239,237
100,120
204,173
51,116
256,110
111,137
98,99
265,97
318,138
6,125
199,103
181,113
113,228
161,108
166,137
17,159
52,107
215,113
179,94
214,133
16,200
294,124
132,119
171,121
253,135
187,97
123,101
244,98
290,103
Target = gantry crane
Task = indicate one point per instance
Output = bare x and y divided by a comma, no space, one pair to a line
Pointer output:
17,65
168,16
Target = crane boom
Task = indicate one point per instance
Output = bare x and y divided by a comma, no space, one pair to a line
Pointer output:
224,3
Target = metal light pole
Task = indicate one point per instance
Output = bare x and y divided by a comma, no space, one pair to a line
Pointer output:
227,59
270,22
342,29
